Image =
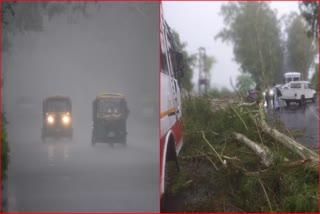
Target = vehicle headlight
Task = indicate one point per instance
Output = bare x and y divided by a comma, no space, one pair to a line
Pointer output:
66,119
271,92
50,119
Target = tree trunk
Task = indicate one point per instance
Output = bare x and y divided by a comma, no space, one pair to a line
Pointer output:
261,150
288,142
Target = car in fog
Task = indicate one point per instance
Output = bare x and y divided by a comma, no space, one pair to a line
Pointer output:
57,118
291,76
109,117
298,92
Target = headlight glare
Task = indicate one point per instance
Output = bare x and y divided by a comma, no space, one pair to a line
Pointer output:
50,119
66,119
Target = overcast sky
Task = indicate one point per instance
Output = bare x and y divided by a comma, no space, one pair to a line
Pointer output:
198,22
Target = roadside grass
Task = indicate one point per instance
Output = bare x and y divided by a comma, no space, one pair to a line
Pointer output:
242,183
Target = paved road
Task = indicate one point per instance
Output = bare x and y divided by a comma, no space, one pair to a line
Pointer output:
75,177
304,118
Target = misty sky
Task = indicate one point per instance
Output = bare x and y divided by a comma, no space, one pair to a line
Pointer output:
198,22
82,59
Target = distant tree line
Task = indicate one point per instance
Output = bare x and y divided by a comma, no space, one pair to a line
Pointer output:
262,49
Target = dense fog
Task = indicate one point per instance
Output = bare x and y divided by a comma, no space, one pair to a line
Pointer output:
114,49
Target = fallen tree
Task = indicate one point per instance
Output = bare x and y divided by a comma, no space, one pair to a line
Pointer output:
239,161
261,150
294,146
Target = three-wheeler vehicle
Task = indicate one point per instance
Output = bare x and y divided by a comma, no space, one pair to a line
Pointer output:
57,118
109,117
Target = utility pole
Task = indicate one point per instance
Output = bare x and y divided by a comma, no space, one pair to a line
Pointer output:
203,71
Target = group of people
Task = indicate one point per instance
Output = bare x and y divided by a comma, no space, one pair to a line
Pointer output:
272,96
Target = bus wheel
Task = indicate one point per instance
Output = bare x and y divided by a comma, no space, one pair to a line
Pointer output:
171,172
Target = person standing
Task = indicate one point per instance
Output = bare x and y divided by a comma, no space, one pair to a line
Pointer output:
276,104
267,97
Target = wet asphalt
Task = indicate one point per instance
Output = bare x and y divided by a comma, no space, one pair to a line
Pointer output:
300,117
63,176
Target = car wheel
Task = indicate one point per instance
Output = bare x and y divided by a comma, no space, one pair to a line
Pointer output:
303,101
314,98
287,103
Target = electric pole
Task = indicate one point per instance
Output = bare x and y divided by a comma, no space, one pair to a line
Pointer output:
204,77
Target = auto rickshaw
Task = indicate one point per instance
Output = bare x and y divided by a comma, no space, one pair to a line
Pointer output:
57,118
109,116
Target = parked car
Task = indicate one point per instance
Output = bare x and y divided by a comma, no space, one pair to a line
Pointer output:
291,76
298,92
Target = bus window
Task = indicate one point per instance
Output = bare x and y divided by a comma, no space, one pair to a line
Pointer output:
164,62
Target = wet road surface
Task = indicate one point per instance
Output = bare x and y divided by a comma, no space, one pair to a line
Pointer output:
304,118
75,177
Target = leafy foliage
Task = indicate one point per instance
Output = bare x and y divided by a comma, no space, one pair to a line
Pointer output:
244,83
301,49
310,10
245,185
221,93
189,61
22,17
314,79
254,30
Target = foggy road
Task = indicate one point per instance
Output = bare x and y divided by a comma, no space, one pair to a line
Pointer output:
304,118
112,50
75,177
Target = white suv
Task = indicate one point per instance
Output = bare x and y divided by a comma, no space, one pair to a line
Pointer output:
298,92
